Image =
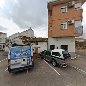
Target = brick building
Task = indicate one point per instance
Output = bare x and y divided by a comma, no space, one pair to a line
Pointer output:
64,24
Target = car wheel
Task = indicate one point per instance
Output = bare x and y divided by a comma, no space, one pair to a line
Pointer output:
54,63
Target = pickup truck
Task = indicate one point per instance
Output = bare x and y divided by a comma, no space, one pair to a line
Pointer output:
20,58
56,57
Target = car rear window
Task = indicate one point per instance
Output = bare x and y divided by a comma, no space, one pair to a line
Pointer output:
56,53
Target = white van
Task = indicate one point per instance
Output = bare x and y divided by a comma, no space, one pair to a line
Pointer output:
61,56
20,58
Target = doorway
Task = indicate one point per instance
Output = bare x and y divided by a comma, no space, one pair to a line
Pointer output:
65,47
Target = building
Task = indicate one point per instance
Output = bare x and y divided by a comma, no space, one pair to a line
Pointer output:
39,44
64,24
16,38
27,33
3,37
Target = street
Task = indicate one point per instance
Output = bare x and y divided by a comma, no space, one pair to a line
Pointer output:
44,74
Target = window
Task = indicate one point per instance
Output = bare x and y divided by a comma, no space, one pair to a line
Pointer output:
64,25
65,47
52,47
78,6
64,9
56,53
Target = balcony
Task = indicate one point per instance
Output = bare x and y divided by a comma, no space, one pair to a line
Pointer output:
79,31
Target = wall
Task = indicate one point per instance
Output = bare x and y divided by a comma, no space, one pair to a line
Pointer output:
70,41
14,35
58,17
27,33
17,41
42,45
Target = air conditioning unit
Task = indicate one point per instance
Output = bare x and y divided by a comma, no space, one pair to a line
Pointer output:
71,4
71,22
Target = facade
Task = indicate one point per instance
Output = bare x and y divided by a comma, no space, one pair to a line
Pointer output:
16,38
64,24
27,33
3,37
39,44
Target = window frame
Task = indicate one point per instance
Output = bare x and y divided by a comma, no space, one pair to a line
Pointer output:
64,27
64,9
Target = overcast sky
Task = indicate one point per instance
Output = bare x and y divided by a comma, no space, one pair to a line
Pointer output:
18,15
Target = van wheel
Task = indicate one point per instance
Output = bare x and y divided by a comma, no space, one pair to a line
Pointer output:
54,63
9,70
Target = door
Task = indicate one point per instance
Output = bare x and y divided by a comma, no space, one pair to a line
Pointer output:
65,47
52,47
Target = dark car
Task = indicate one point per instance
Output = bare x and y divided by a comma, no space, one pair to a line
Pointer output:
56,57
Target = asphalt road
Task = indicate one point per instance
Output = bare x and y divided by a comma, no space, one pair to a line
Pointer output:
44,74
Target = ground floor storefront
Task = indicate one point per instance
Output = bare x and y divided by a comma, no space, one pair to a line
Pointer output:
66,43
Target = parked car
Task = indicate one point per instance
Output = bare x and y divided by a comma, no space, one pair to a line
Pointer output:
56,57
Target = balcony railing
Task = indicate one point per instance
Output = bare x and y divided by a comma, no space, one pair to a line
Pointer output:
79,30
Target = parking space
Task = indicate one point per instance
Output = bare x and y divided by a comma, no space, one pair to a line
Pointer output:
44,74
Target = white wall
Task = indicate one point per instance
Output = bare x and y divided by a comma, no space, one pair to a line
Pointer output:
70,41
14,35
42,45
27,33
17,41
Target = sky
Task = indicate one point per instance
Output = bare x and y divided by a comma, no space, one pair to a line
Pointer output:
19,15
